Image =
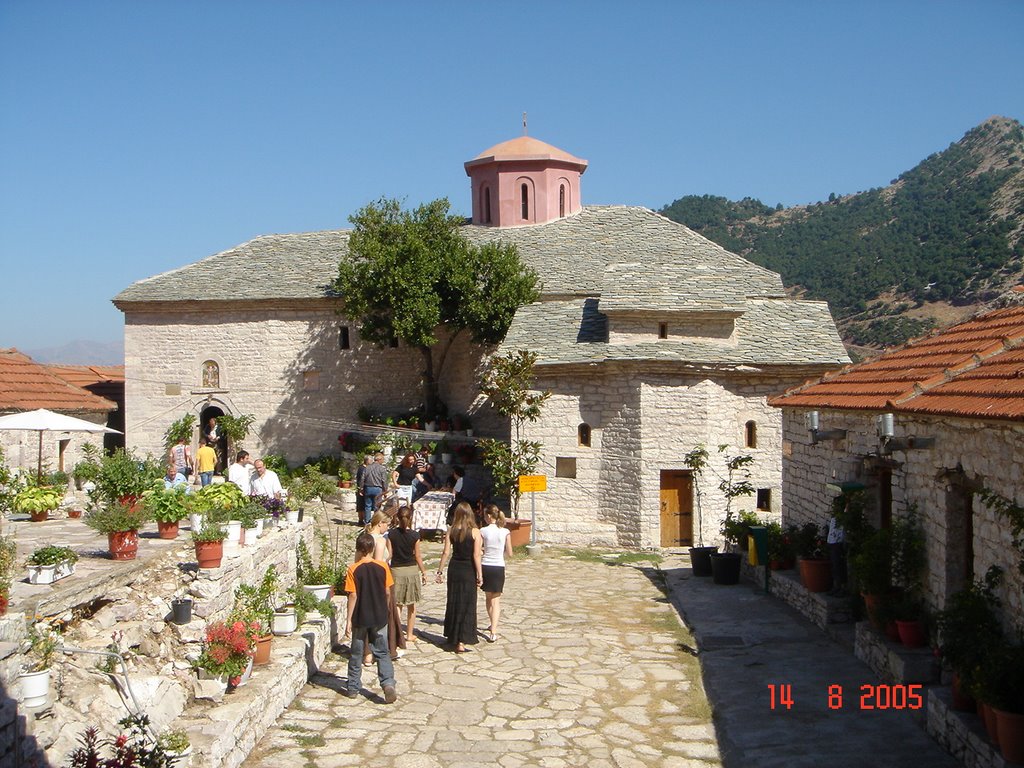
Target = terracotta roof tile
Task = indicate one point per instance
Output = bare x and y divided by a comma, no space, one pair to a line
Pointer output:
88,375
25,385
975,369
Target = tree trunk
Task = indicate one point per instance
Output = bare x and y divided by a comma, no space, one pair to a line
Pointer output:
429,384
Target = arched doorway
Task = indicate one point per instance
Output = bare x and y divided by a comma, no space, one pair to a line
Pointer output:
221,446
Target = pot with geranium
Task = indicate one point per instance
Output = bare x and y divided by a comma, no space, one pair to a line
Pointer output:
815,571
228,650
121,522
51,563
781,546
43,640
167,506
8,553
966,628
255,603
38,501
134,748
209,543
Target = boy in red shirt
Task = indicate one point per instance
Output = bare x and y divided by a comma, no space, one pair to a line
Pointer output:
367,584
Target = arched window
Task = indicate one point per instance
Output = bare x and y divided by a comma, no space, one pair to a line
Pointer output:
524,202
583,434
211,375
750,434
487,204
561,200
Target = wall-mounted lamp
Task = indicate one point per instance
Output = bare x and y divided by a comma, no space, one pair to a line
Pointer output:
813,422
886,427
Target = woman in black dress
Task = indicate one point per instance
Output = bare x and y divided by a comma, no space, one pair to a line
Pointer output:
465,575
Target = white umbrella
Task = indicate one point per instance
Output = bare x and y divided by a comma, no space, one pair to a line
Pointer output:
43,420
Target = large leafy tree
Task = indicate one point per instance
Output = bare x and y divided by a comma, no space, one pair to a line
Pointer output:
408,273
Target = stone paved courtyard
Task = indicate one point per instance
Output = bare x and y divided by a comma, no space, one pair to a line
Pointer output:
604,679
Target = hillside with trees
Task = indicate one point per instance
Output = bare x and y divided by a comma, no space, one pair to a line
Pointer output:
939,242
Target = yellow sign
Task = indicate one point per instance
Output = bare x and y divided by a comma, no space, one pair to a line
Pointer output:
533,483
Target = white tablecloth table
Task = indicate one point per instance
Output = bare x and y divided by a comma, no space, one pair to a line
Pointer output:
429,512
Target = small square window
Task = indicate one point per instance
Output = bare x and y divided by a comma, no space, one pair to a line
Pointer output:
662,330
311,381
764,499
565,466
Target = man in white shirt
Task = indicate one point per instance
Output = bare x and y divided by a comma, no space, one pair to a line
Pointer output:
265,481
240,473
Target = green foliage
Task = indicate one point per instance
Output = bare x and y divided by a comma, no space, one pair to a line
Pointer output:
122,475
310,483
330,567
57,478
133,749
88,469
782,542
218,500
736,529
934,235
257,602
1014,514
909,553
175,740
277,464
43,640
733,483
969,625
166,505
8,485
39,498
507,383
210,530
809,541
249,513
8,553
236,427
410,272
52,555
117,517
180,430
304,602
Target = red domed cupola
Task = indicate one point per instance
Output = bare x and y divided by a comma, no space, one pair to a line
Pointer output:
524,181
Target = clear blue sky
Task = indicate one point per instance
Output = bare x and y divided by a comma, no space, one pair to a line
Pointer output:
136,137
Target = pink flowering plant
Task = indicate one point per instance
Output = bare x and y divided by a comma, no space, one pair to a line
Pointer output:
228,647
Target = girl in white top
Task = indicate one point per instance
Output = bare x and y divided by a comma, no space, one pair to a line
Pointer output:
496,547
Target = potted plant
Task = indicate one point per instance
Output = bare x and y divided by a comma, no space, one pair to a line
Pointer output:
304,602
250,515
209,543
38,501
133,749
781,548
909,563
293,509
175,743
236,427
88,469
815,571
255,603
121,522
1006,697
124,478
228,650
35,675
446,452
51,563
8,553
320,579
167,506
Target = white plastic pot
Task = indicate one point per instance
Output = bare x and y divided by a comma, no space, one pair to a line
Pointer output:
284,622
35,686
234,528
291,516
319,591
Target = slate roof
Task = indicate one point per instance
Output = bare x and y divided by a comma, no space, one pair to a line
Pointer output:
769,332
626,259
974,369
25,385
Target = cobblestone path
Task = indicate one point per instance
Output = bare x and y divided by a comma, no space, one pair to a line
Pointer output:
592,669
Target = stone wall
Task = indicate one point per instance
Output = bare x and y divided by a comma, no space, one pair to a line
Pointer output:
284,367
967,454
642,423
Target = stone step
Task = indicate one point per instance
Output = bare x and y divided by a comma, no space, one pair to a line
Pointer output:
223,732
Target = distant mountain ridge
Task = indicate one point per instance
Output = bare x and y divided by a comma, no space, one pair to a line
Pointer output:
80,352
942,240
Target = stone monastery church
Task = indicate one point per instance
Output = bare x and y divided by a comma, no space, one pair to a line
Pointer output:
651,338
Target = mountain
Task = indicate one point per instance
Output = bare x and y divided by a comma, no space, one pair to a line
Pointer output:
80,353
941,241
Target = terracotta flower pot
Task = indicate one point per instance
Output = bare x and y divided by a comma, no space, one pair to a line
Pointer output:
123,545
74,514
263,645
988,717
912,633
519,531
1010,727
962,702
209,553
815,575
3,604
167,530
38,517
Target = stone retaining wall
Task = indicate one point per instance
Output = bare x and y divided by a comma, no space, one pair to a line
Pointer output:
962,734
892,662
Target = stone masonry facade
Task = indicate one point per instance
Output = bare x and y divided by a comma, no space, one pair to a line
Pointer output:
968,453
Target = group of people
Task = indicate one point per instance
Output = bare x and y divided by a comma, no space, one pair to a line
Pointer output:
389,573
411,479
252,477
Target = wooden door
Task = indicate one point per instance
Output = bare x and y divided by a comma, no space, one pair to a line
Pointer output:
676,508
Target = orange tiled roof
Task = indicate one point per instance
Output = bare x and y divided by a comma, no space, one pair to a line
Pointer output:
88,375
974,369
25,385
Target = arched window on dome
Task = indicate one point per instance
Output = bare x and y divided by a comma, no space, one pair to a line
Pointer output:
211,375
524,202
583,434
561,201
750,434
